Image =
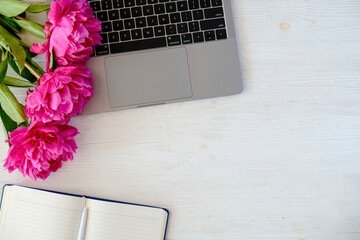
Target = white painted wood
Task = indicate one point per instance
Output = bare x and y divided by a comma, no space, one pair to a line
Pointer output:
280,161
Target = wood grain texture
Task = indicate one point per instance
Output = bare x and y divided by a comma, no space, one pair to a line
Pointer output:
279,161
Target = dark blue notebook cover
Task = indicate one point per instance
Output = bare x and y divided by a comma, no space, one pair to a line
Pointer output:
94,198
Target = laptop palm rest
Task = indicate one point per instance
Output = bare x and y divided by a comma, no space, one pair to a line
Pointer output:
148,78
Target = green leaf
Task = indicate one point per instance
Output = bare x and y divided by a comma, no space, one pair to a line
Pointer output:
32,63
25,73
12,8
24,124
10,104
32,27
28,53
36,8
53,60
16,82
3,69
23,15
8,124
35,66
12,44
9,24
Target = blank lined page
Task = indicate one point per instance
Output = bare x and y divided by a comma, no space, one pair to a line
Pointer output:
34,214
117,221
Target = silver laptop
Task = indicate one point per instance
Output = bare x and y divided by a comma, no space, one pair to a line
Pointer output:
163,51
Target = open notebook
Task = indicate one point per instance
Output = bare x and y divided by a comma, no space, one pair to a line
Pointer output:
33,214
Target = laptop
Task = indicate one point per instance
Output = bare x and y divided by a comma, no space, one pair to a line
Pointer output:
163,51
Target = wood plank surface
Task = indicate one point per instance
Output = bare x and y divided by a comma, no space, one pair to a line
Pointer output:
279,161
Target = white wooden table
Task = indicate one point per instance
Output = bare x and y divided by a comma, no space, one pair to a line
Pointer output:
280,161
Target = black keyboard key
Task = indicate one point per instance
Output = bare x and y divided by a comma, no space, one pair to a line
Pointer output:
198,37
216,3
182,6
125,35
148,32
125,13
198,14
129,23
118,25
148,10
194,4
113,37
152,1
164,19
140,22
171,29
175,18
129,3
106,4
101,50
104,38
140,2
136,12
182,28
159,31
114,15
95,6
170,7
214,12
102,16
205,3
186,16
106,27
186,38
209,35
164,0
152,21
136,34
173,40
221,34
212,24
118,3
194,26
138,45
159,8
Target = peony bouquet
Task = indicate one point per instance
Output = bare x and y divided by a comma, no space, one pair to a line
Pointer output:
38,133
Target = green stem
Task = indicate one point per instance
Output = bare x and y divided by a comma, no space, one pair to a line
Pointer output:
40,68
24,19
32,70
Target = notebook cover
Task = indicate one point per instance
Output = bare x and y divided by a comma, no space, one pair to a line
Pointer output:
93,198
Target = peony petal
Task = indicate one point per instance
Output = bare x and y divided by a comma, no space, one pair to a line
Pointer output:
38,48
55,100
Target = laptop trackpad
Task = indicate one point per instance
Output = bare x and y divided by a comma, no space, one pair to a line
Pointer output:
146,78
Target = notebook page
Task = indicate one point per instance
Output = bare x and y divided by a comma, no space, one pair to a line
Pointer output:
116,221
33,214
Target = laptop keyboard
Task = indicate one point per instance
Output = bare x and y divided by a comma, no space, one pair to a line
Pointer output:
130,25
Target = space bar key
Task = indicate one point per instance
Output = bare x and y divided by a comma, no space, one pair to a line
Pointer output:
138,45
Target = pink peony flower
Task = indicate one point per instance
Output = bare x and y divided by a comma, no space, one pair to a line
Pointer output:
39,149
72,31
60,94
